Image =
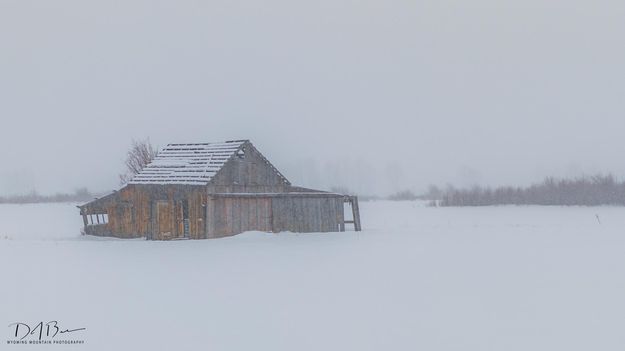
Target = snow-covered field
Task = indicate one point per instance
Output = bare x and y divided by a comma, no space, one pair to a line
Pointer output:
417,278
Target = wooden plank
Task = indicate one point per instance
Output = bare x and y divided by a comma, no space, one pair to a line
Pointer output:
210,217
331,216
267,214
151,227
237,216
356,213
228,217
323,205
318,226
307,212
220,222
84,221
277,215
246,209
253,210
341,215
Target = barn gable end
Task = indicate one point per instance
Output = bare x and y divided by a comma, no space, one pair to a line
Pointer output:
248,171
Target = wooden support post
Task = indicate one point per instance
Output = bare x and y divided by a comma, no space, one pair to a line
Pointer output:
84,221
340,210
355,213
353,202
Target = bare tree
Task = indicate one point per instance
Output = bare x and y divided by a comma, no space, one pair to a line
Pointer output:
140,154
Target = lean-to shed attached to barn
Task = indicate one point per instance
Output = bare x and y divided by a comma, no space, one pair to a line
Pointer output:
211,190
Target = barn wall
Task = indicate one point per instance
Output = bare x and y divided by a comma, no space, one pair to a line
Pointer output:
307,214
132,211
230,215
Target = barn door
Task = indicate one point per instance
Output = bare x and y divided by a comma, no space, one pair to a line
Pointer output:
164,220
125,219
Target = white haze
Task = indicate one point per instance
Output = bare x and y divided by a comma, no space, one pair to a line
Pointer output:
374,95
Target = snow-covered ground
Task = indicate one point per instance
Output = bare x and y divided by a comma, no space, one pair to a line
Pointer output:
417,278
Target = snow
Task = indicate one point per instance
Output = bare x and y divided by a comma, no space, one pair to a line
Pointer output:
416,278
179,163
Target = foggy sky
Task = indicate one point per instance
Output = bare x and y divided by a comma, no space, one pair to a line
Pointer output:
374,95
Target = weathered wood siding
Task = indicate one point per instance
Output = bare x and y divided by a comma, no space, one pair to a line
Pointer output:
230,214
150,210
306,214
250,172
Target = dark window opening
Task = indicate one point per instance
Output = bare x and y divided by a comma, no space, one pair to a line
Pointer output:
241,153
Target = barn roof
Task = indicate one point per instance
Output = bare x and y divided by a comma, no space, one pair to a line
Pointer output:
193,164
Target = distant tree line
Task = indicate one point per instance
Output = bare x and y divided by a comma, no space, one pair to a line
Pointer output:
582,191
340,189
402,195
81,194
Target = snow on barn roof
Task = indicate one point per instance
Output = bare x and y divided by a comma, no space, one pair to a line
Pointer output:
193,164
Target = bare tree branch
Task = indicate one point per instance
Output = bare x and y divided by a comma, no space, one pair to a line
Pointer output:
140,154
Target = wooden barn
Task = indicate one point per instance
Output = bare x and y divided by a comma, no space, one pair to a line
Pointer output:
212,190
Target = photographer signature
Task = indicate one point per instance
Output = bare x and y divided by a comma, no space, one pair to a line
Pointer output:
50,329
